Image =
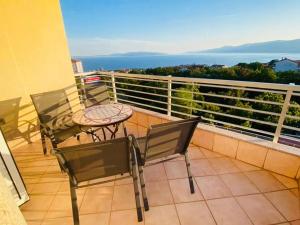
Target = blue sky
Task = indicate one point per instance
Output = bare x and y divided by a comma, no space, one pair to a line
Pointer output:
96,27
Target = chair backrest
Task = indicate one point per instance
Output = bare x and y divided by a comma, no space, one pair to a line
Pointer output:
169,138
9,114
95,160
52,107
96,94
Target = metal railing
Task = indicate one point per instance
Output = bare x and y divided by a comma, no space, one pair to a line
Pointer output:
261,109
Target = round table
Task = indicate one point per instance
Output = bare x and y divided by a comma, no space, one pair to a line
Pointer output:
103,116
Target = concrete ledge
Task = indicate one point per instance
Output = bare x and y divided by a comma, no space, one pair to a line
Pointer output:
278,158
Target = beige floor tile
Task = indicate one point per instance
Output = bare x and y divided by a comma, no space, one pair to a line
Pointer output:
125,180
176,169
123,197
286,181
33,171
124,217
34,215
195,153
212,187
223,165
210,154
97,219
239,184
296,192
59,221
264,181
58,214
159,193
260,210
46,188
52,178
296,222
226,211
162,215
155,173
244,166
65,189
286,203
201,167
63,203
194,213
181,192
38,203
41,161
34,222
97,200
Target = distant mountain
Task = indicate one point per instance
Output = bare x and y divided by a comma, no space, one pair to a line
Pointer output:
138,54
280,46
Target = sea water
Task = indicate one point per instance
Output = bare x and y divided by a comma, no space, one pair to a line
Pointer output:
151,61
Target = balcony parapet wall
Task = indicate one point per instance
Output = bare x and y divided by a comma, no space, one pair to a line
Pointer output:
275,157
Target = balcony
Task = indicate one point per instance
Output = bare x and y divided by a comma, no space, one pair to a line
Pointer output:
242,175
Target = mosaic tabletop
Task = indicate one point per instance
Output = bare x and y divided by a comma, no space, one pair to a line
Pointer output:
103,115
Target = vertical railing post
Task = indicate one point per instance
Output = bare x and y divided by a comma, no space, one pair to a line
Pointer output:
113,83
169,95
82,93
191,102
283,113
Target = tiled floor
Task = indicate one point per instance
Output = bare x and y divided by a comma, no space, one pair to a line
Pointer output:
227,192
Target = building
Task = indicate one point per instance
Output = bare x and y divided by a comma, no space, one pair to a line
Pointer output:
77,66
286,64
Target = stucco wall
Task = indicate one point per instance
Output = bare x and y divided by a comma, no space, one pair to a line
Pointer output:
34,53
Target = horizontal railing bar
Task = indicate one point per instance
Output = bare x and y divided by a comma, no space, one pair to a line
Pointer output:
234,125
291,128
139,78
142,92
289,137
181,113
145,99
227,115
137,103
231,106
139,85
230,97
233,87
268,86
294,105
142,79
293,117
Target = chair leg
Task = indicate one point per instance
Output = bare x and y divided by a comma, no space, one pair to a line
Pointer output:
187,162
74,205
136,192
78,137
104,134
125,130
43,143
143,187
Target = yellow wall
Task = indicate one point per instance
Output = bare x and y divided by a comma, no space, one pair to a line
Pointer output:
34,55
